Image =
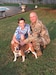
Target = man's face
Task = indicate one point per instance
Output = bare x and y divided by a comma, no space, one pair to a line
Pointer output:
33,17
21,23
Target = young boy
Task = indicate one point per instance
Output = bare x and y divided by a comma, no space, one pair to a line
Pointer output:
21,33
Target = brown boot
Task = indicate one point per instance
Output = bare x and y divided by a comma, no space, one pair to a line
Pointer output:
39,53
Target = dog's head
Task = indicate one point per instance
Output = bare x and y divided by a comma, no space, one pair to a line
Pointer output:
14,46
18,49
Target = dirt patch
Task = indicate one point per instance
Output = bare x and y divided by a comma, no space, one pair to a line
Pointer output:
49,10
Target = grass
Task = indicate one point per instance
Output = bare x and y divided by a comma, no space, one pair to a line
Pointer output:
44,65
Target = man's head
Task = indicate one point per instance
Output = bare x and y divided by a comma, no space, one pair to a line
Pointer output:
21,22
33,17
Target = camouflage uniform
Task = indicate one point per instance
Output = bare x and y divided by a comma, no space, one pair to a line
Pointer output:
39,35
44,36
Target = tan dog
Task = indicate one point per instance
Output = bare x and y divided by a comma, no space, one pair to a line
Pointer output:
21,51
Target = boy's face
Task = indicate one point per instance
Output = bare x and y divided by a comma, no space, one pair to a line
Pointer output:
22,23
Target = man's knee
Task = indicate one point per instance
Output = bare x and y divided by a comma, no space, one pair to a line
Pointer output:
12,42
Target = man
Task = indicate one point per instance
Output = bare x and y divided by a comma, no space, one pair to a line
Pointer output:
40,35
21,33
40,30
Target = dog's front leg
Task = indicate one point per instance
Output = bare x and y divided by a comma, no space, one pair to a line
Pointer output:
15,57
32,50
35,54
23,58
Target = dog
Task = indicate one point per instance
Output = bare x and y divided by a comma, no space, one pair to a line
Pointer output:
21,50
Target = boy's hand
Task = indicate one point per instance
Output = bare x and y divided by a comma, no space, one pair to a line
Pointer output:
22,43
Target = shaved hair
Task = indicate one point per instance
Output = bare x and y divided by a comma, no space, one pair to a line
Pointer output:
33,13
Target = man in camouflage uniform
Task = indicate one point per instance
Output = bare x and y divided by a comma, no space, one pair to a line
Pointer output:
40,35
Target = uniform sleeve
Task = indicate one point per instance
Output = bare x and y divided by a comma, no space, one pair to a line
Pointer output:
44,30
29,30
38,28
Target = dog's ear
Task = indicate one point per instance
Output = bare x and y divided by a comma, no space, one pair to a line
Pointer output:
12,47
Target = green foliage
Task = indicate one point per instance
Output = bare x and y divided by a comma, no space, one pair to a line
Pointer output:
9,4
44,65
31,6
52,6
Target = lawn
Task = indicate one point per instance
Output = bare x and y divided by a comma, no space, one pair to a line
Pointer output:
44,65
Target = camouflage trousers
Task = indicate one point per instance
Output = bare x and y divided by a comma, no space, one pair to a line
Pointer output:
34,40
37,41
45,40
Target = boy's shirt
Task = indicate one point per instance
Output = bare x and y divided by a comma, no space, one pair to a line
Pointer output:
25,31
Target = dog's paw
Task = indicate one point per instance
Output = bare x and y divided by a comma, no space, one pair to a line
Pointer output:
14,60
36,57
23,60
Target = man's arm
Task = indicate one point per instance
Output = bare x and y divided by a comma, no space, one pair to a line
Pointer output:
14,39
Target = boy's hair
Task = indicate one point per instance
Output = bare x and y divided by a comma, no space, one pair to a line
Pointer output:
21,19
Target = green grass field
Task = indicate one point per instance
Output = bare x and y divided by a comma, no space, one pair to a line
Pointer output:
44,65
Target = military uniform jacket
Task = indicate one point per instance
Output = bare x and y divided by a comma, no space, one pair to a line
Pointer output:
40,30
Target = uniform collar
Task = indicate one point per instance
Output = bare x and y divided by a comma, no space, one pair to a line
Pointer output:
33,24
